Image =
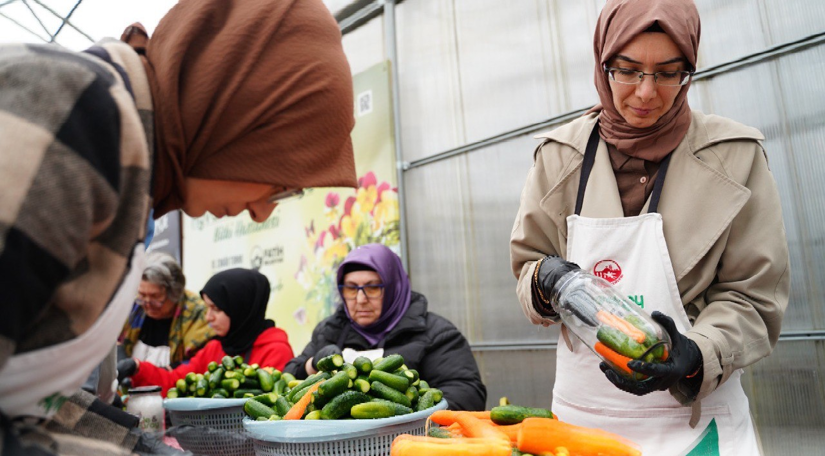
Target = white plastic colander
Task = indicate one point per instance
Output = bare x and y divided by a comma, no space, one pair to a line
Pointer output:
335,437
210,427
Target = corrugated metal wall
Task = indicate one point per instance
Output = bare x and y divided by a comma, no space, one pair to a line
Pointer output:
476,76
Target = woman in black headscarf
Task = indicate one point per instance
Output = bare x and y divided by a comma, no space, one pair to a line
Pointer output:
237,300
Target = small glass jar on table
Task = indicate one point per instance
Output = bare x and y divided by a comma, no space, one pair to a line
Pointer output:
146,403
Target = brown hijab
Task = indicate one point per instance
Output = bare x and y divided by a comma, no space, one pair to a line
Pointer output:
248,91
619,22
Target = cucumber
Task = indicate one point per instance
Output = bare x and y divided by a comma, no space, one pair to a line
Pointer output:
341,404
191,378
334,386
287,377
650,335
311,380
241,393
363,364
619,342
514,414
425,401
275,373
220,392
233,374
238,361
216,377
212,366
250,383
423,386
415,379
439,433
437,395
292,384
257,410
313,415
281,406
180,385
228,363
412,395
280,386
331,362
250,372
389,363
371,410
351,371
265,380
218,396
393,381
383,391
399,409
362,385
267,399
201,387
172,393
230,384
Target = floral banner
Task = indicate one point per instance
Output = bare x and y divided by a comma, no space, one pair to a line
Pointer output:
301,245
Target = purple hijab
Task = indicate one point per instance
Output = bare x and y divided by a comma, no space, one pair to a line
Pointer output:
396,288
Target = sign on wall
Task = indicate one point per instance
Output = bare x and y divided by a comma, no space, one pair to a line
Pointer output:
301,244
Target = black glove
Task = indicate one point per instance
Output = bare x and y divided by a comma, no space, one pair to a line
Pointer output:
151,444
323,352
684,360
548,271
126,367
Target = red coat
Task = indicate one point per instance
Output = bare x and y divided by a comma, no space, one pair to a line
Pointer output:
271,349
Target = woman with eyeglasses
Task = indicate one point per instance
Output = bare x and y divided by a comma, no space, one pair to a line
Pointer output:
679,211
381,315
237,300
168,324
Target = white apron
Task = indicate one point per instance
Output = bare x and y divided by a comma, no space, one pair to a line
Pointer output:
159,356
36,383
631,253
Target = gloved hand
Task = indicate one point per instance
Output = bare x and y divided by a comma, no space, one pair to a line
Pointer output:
323,352
684,360
126,367
550,269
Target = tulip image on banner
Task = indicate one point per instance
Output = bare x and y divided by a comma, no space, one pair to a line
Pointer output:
369,216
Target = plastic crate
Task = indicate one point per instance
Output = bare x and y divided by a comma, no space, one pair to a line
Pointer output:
334,438
210,427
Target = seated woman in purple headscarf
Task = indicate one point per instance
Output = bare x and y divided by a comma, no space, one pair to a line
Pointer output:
383,315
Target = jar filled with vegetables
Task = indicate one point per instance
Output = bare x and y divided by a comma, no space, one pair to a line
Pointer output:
611,325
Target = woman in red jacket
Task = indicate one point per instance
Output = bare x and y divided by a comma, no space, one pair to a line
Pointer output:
237,300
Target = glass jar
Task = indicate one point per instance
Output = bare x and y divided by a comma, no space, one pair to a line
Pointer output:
146,403
610,324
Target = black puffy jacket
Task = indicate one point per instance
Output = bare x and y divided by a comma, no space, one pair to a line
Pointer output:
428,342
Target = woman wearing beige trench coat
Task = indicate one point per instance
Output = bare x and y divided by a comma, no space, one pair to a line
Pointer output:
718,217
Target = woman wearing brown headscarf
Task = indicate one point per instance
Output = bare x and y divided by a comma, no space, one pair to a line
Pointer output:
703,250
230,106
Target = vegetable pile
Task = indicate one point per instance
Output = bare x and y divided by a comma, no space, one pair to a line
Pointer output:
232,378
365,389
621,340
509,430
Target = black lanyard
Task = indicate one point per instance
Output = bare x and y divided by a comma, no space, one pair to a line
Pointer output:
590,159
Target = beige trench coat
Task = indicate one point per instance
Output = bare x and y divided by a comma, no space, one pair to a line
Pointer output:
722,223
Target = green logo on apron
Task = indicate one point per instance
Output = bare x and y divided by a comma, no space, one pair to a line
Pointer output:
708,443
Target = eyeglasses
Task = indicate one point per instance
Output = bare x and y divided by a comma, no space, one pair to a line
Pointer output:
370,291
154,303
662,78
286,193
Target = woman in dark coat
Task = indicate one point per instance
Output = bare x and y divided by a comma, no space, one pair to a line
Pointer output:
381,312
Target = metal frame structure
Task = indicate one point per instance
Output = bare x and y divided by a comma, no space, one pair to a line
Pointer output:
64,19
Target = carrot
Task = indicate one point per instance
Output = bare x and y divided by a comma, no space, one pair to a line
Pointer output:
622,325
447,417
474,427
410,445
296,412
617,359
541,435
511,430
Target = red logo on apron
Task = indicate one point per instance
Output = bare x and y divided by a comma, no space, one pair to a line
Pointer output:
608,270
